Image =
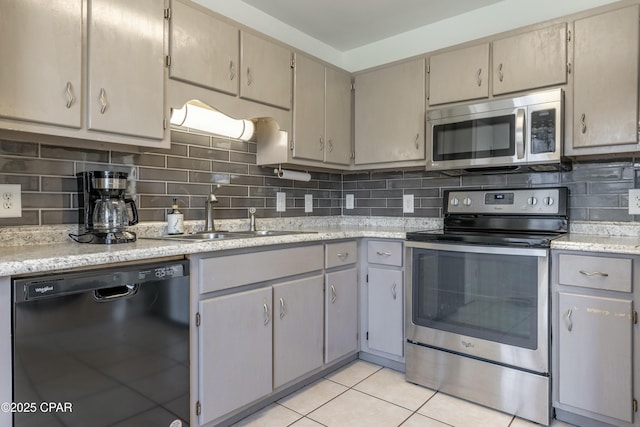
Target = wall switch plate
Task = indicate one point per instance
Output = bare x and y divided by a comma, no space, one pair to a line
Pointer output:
308,203
634,201
349,201
10,201
407,203
281,202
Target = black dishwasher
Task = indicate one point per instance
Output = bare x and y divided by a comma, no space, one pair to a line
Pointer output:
102,347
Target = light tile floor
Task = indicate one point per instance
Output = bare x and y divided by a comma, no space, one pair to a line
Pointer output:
368,395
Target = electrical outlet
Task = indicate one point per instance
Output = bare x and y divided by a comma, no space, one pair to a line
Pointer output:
407,203
308,203
281,202
349,201
634,201
10,201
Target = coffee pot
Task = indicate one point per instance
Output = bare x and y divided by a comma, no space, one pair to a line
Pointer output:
105,213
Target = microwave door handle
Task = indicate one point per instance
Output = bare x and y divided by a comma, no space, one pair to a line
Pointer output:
520,130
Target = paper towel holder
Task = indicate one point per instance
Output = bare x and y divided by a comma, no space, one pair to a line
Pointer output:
292,175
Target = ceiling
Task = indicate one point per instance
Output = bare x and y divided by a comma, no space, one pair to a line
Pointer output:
349,24
359,34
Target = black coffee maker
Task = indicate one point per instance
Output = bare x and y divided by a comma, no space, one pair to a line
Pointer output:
105,213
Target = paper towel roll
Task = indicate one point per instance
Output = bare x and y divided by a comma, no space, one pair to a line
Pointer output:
292,175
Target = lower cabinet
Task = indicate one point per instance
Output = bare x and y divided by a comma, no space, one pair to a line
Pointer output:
297,328
236,356
341,319
594,328
382,302
385,302
595,354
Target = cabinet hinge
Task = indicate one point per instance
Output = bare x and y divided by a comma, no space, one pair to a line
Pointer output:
293,62
198,319
353,87
167,13
569,35
292,145
164,123
167,61
353,155
635,405
428,68
568,67
198,408
367,335
367,279
635,318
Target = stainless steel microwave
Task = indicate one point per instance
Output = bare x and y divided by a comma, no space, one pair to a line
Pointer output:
520,133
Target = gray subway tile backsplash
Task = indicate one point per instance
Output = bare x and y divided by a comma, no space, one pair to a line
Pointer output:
196,163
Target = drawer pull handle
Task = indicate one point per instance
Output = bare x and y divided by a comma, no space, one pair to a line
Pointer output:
249,77
334,296
393,290
102,99
282,308
232,70
383,253
479,77
267,317
594,273
343,256
568,320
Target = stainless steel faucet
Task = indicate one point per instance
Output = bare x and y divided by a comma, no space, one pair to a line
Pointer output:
208,212
252,219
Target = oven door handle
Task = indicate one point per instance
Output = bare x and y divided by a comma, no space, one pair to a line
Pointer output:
481,249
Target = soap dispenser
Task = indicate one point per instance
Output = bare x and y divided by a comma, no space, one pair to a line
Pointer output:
175,219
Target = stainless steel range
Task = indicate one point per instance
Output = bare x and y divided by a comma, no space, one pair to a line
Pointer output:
477,314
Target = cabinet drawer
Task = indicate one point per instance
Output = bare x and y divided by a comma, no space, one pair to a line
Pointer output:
387,253
612,274
242,269
342,253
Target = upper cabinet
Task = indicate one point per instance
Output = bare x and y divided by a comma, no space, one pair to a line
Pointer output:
605,84
530,60
459,75
204,51
41,56
266,71
44,92
322,113
125,92
390,114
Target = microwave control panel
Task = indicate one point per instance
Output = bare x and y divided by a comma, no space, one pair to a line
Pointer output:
526,201
543,131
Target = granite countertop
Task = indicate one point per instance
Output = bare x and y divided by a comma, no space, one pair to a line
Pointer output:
18,257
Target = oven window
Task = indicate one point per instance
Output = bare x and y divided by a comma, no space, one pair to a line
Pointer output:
490,297
473,139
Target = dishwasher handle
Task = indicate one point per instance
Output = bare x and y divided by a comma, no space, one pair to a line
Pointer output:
115,292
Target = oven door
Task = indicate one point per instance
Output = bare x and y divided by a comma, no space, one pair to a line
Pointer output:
486,302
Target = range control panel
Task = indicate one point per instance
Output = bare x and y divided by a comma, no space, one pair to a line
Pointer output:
521,201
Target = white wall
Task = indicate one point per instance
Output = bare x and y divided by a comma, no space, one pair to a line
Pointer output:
498,17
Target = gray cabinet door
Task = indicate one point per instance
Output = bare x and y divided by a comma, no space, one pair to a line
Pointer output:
338,117
530,60
204,50
126,67
595,354
308,110
297,328
341,317
235,357
266,74
41,56
605,68
389,114
385,315
459,75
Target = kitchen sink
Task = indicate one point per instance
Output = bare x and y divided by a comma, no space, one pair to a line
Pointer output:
220,235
